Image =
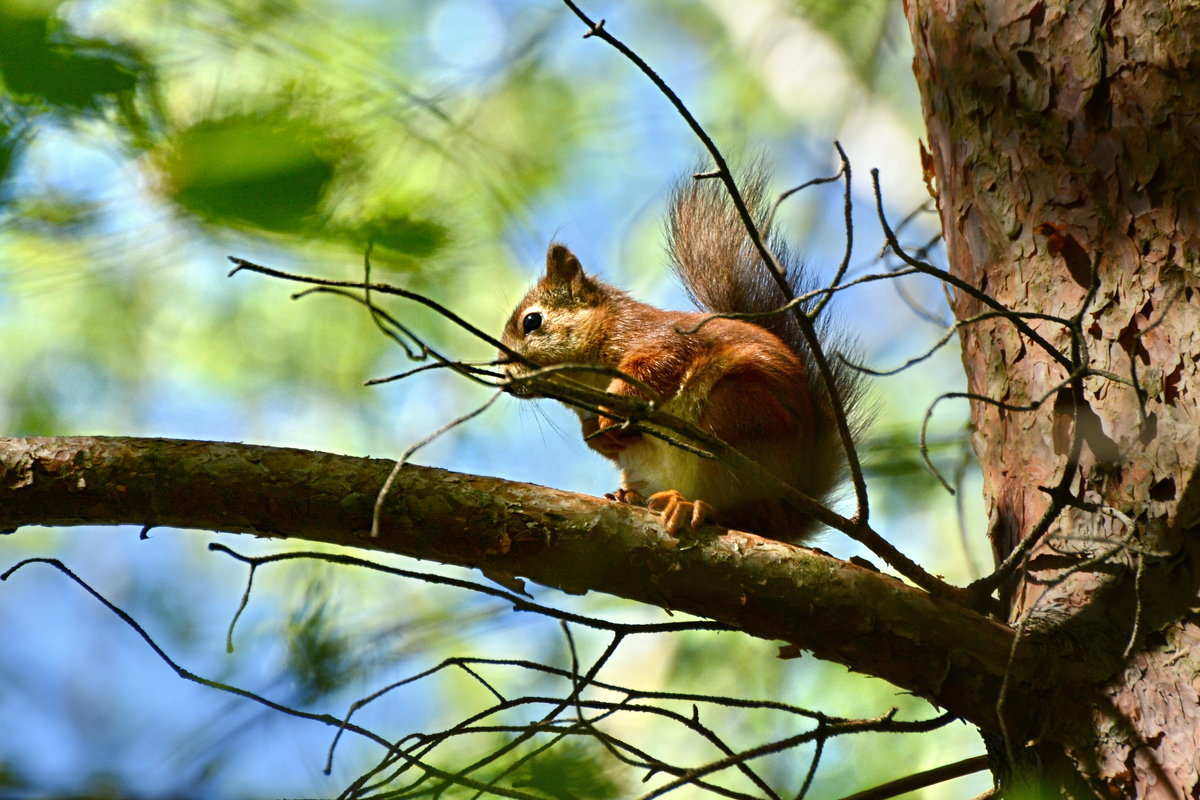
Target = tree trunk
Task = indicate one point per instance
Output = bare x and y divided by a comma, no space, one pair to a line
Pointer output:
1066,152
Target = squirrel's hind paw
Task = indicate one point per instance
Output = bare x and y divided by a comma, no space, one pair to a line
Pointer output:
679,512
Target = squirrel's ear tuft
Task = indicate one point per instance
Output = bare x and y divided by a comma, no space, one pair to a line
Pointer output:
561,264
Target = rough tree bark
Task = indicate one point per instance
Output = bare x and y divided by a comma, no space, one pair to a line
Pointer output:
1063,138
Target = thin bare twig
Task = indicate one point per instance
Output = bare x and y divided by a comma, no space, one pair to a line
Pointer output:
959,283
518,602
920,780
386,489
798,301
848,224
818,750
945,338
885,722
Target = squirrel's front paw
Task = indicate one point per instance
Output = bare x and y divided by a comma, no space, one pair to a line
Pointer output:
678,512
628,496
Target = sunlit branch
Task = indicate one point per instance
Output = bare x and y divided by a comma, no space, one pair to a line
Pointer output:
630,410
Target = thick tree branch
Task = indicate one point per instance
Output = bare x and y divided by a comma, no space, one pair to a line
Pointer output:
868,621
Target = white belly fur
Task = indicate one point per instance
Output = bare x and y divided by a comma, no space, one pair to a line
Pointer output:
653,465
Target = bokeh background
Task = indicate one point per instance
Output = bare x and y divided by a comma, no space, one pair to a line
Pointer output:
143,141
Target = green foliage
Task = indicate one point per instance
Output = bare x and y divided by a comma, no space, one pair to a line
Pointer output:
571,770
272,171
263,170
407,236
46,68
36,412
10,139
319,652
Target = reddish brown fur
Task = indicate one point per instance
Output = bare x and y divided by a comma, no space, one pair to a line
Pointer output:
735,379
759,404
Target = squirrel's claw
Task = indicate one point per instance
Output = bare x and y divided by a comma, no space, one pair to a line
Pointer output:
628,496
678,512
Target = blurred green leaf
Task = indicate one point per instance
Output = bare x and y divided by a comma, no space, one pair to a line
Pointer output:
43,65
265,171
568,771
273,172
894,454
418,238
10,140
36,412
319,650
55,214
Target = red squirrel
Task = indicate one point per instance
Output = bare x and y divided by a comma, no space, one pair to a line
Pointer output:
752,383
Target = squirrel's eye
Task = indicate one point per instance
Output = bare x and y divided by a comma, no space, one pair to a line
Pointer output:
532,321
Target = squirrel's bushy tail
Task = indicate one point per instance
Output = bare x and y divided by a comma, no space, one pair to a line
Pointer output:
723,273
719,265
